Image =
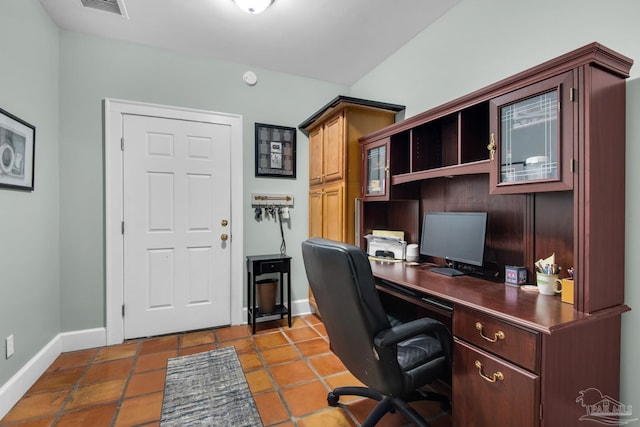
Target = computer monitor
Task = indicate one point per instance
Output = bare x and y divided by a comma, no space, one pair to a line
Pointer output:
454,236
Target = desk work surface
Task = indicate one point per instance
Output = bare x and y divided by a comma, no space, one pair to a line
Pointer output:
539,312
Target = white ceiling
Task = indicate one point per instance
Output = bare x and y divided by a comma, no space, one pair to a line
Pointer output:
332,40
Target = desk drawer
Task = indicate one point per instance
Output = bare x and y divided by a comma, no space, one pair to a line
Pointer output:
488,391
271,267
518,345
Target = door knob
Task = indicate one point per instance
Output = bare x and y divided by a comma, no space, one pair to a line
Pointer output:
224,222
224,237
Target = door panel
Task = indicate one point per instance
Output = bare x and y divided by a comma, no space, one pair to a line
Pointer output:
315,156
333,213
315,213
333,151
176,194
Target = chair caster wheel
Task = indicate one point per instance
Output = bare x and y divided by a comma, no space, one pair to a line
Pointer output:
332,399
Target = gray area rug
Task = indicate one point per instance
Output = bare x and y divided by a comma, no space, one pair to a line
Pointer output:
208,389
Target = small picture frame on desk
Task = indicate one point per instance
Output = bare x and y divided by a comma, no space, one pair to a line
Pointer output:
17,149
275,151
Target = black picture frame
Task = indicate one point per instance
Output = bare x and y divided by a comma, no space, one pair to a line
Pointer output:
17,152
275,151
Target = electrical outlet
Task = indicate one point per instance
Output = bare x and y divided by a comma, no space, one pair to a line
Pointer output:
10,346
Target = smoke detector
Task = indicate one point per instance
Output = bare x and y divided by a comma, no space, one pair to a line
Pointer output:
113,6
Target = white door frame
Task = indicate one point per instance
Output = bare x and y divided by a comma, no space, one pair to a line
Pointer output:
113,110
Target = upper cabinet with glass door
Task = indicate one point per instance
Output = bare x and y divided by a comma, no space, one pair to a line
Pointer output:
376,170
532,136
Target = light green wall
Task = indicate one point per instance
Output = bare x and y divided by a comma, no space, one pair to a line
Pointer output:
29,254
92,69
631,321
479,42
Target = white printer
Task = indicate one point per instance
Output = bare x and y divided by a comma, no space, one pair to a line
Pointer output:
386,244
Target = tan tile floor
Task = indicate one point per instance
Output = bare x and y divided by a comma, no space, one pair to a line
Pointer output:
289,371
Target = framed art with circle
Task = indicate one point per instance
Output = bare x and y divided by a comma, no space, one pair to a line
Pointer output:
17,152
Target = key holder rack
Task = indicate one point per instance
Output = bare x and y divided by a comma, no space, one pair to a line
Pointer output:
276,200
275,206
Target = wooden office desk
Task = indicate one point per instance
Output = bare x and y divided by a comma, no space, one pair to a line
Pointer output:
520,358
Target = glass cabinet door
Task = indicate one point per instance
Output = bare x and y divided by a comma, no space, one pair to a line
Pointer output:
526,140
529,139
376,174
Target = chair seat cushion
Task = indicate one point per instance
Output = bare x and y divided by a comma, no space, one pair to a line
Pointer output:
421,360
417,351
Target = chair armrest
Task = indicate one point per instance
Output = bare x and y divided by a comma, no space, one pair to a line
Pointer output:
408,330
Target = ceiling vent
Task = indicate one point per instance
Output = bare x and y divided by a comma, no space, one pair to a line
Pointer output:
113,6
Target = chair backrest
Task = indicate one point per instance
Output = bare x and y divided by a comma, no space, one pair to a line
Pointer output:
344,288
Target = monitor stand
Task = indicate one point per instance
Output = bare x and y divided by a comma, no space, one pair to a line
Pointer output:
448,271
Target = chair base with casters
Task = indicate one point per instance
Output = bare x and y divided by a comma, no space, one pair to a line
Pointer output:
389,404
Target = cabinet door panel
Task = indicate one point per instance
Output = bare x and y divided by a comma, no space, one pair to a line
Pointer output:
333,149
333,213
532,137
489,391
315,156
315,213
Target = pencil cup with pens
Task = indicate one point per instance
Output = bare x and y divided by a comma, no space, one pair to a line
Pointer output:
547,272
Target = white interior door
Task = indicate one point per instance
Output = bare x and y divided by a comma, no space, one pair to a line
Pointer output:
176,212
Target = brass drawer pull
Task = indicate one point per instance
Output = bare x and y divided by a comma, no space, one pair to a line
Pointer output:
497,336
498,376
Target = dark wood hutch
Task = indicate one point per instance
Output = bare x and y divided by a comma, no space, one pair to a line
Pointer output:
543,153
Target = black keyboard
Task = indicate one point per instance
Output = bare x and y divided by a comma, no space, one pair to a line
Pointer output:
448,271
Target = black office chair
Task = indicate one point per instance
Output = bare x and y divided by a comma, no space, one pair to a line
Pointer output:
394,360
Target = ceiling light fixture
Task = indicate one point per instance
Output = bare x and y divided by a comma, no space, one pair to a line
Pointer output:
253,6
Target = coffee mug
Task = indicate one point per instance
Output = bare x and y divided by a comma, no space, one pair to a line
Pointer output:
548,284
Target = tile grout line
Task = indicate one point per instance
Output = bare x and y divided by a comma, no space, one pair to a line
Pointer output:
318,377
276,386
74,389
116,414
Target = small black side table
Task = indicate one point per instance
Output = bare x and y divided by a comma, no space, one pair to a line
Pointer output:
263,264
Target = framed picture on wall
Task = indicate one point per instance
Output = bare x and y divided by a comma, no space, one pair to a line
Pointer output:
275,151
17,149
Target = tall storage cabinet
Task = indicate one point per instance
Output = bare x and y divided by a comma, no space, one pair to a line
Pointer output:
334,163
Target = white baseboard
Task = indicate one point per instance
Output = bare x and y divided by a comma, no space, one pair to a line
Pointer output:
19,384
300,307
81,340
